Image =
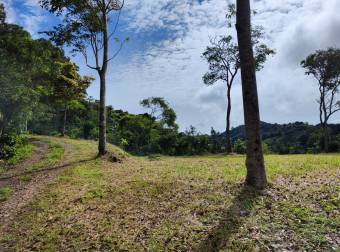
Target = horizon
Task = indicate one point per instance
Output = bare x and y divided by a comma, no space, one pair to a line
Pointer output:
163,57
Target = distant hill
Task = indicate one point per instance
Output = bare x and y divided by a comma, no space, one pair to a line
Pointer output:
295,137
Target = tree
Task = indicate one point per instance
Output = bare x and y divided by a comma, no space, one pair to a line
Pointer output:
86,27
24,65
69,88
160,110
256,174
224,63
324,65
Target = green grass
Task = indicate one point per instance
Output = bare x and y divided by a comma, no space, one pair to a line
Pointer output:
56,153
5,193
185,203
22,153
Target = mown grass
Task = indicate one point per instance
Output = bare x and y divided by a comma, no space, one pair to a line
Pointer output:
55,154
182,204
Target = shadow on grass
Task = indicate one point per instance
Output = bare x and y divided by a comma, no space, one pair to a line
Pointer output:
232,219
49,168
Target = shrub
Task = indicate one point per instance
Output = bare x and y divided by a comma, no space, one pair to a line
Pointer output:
240,147
9,144
265,148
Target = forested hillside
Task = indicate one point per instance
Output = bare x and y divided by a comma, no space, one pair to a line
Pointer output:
294,138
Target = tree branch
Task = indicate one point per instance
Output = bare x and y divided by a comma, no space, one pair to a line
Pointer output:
117,52
86,60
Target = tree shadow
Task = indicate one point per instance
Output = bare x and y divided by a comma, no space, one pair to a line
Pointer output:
48,168
232,219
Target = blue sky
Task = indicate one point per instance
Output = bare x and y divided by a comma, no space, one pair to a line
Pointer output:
163,57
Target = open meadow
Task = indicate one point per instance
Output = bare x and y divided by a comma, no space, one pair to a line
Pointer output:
160,203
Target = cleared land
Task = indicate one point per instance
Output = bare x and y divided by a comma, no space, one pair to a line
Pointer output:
175,204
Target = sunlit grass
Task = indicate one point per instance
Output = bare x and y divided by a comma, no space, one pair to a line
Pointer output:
21,154
56,153
172,203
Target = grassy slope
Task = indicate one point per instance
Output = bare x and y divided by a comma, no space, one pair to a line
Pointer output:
182,204
22,153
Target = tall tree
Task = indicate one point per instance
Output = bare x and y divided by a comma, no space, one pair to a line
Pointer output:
324,65
88,26
256,173
68,89
224,63
25,67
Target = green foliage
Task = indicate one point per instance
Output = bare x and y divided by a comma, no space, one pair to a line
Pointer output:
324,65
292,138
240,147
265,148
123,143
35,79
160,110
9,143
21,153
223,54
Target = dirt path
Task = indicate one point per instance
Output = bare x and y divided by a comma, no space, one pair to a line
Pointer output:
40,151
25,191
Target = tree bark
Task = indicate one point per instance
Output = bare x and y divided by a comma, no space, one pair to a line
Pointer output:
102,103
3,125
1,129
228,133
63,130
324,123
102,116
256,174
325,137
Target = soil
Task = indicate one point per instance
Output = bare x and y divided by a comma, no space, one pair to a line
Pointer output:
24,191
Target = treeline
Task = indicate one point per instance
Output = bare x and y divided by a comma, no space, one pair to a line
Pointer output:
42,92
36,79
293,138
150,133
155,132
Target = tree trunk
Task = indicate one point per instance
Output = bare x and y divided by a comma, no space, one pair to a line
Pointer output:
1,129
3,125
325,137
102,116
102,103
228,133
256,174
325,119
63,130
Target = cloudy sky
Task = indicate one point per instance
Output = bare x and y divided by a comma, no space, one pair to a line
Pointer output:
163,57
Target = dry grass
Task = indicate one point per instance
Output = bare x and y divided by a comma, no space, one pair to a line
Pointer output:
182,204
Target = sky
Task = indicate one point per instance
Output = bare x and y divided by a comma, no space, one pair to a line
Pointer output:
168,37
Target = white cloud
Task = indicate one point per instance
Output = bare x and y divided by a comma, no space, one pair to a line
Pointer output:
170,64
173,68
31,18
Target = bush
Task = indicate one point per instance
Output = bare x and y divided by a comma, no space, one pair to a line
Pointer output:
240,147
265,148
9,144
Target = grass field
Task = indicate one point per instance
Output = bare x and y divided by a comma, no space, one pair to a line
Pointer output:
23,152
182,204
